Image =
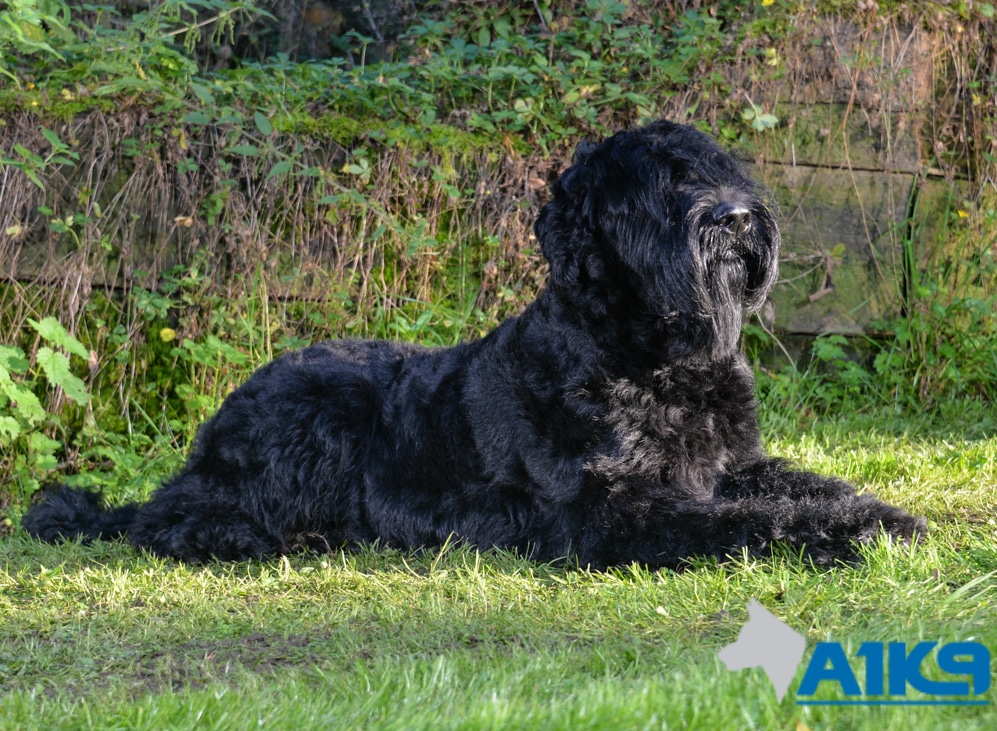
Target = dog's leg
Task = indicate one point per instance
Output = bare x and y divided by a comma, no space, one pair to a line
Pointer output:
821,516
824,501
773,478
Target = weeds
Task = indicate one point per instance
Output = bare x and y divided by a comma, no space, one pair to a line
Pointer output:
943,347
26,421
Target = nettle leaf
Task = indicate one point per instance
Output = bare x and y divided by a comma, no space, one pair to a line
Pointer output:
244,150
279,169
262,124
76,389
197,118
12,359
45,462
43,444
54,364
203,94
49,328
56,368
9,428
52,331
24,404
53,139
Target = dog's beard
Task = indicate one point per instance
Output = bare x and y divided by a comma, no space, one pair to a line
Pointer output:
693,298
701,315
726,280
737,273
726,284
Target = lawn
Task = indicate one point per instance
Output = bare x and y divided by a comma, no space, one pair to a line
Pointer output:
99,637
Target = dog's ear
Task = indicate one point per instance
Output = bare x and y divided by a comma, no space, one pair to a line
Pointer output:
564,227
583,153
559,225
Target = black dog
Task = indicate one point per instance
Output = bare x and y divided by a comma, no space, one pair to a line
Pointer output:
612,422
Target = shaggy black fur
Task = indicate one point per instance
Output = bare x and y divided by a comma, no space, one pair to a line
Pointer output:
612,422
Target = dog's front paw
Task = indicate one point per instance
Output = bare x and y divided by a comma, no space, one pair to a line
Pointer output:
862,522
878,519
903,527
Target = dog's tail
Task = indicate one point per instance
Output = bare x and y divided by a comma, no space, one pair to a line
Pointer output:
67,513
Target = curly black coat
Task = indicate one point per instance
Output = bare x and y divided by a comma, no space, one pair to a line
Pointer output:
612,422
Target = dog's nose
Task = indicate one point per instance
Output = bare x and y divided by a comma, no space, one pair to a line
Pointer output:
735,217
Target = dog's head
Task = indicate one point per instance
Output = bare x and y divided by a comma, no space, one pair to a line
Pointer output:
660,226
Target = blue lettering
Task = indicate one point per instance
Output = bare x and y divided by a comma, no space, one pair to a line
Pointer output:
977,664
873,654
905,668
968,660
839,672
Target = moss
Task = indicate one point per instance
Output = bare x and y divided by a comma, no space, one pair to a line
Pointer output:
346,130
335,127
55,108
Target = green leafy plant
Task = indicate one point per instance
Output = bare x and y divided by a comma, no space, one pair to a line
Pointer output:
27,424
30,27
34,165
758,118
91,50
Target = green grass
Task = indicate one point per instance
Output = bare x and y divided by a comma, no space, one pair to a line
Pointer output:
99,637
